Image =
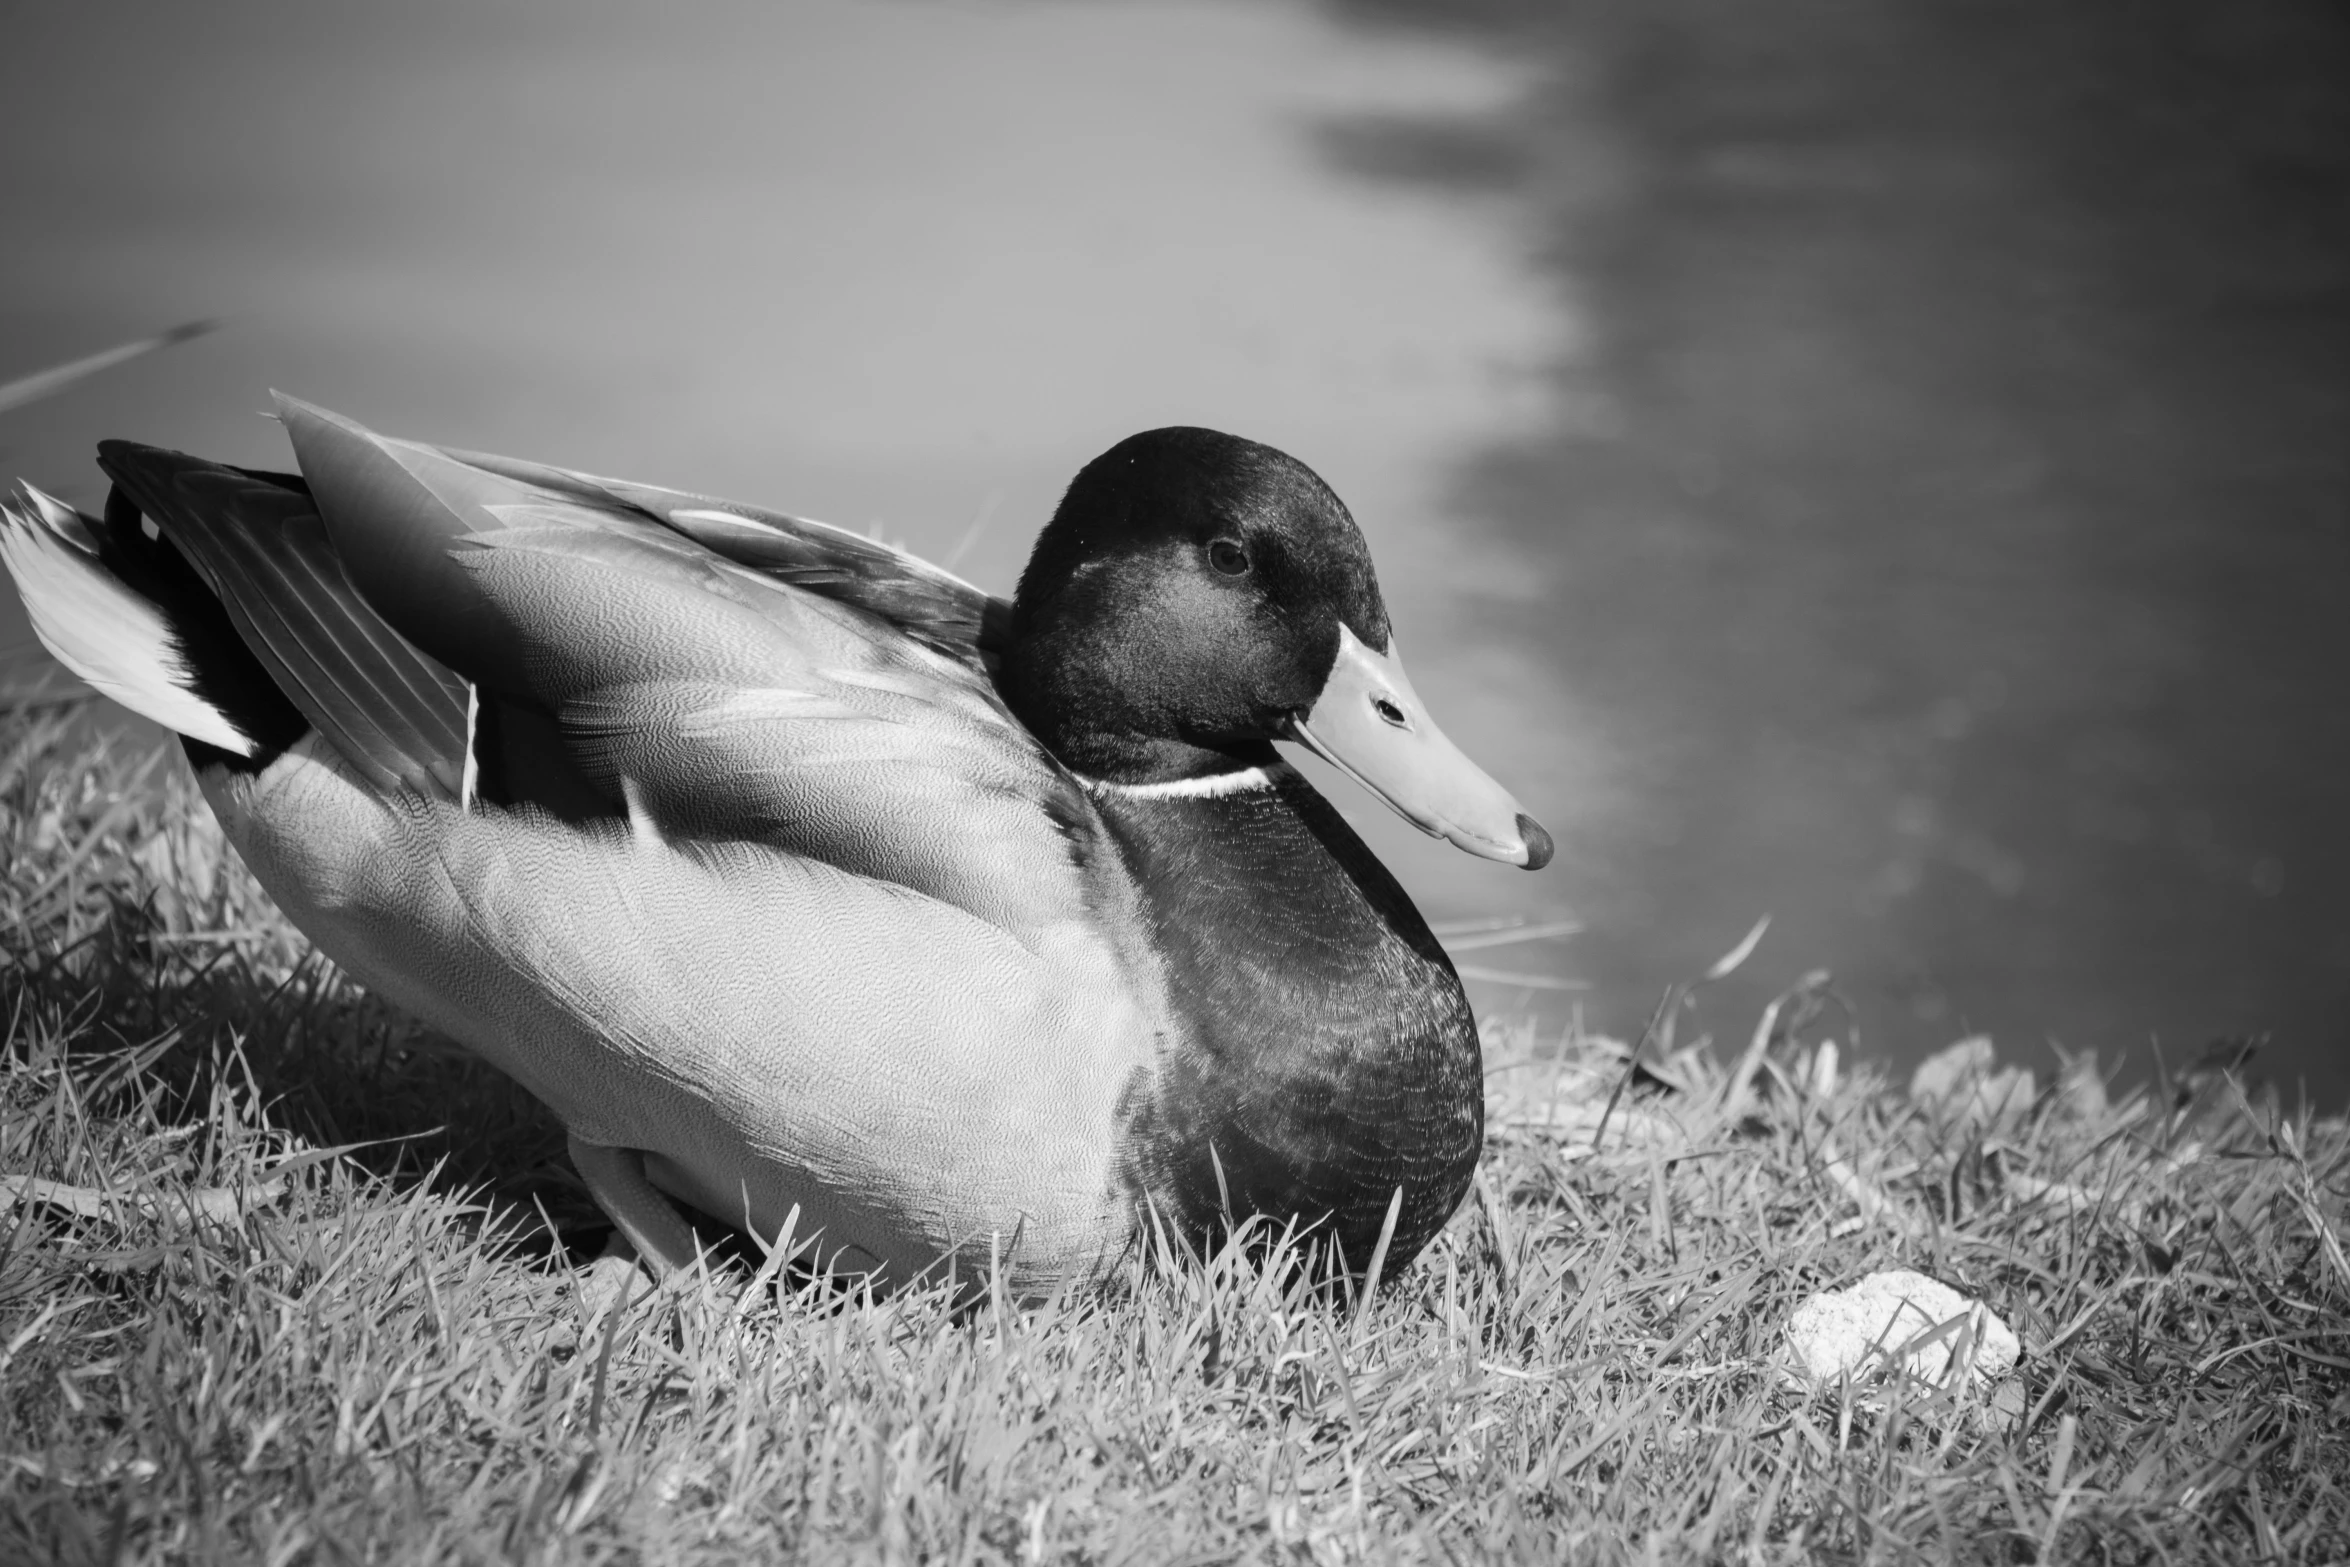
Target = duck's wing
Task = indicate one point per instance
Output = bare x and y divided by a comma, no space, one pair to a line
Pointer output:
703,697
928,603
260,612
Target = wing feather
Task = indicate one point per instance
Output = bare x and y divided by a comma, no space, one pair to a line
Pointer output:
398,714
724,699
926,602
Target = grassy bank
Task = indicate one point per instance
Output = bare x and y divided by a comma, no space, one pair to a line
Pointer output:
227,1333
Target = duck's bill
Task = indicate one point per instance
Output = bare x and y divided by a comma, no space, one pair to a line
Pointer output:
1370,725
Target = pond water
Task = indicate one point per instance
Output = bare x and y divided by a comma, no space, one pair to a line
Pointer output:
1953,551
1876,466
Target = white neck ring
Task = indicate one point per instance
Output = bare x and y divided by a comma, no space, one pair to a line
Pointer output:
1214,786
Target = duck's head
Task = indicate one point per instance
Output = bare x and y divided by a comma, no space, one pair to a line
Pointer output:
1198,596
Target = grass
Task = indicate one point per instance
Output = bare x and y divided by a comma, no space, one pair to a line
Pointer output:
228,1334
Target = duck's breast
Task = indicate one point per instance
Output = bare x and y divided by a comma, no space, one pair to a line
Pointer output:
1329,1056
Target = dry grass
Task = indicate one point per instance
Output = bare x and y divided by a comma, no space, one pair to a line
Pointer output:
227,1336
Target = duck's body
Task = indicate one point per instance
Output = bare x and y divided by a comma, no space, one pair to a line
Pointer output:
809,886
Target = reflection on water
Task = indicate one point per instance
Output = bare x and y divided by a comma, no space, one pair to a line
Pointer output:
1952,550
1875,464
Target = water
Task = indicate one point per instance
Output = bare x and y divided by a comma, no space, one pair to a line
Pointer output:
1876,465
1954,543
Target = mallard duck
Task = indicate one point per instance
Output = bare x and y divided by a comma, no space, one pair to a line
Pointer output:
811,887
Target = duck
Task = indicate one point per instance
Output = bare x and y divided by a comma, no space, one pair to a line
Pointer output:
816,891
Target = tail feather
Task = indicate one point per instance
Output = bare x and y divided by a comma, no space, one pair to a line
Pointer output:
120,640
388,709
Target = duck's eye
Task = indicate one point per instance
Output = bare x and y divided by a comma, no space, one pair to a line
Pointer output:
1228,558
1389,711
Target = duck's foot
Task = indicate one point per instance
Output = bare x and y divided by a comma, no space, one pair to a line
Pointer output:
616,1178
650,1240
614,1281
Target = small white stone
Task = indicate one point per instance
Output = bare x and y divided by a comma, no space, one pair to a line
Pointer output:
1965,1085
1953,1070
1881,1321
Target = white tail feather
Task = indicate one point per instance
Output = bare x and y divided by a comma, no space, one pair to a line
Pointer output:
98,628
